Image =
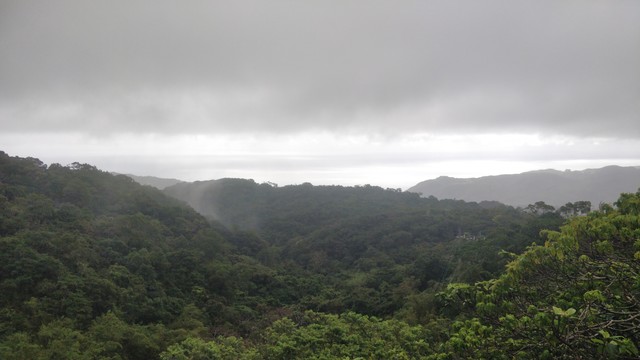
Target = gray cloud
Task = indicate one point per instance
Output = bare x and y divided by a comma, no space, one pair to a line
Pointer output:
568,67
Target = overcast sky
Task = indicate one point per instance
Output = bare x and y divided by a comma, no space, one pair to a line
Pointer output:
387,93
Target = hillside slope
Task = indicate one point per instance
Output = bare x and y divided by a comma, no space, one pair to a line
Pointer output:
95,266
551,186
156,182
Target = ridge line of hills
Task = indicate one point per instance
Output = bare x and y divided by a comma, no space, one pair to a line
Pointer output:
556,188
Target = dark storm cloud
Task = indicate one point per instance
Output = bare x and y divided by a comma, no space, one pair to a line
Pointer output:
566,67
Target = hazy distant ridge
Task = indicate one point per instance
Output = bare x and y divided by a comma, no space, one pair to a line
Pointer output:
551,186
156,182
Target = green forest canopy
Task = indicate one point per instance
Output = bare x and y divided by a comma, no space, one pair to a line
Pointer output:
95,266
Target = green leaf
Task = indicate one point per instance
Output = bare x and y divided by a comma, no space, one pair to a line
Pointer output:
558,311
605,334
594,296
564,313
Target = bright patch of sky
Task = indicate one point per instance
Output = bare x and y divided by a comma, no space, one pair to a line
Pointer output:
325,158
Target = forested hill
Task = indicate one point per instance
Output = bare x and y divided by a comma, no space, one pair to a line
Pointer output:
551,186
336,230
248,205
154,181
300,209
96,266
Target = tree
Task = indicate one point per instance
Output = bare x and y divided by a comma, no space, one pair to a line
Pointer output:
540,208
576,296
228,348
350,335
575,209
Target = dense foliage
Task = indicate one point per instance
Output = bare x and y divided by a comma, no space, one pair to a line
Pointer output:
374,251
95,266
98,265
575,297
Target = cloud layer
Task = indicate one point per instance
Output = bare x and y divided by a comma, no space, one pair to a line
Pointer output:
378,67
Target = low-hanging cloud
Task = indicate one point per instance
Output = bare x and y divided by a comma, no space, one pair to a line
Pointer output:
292,66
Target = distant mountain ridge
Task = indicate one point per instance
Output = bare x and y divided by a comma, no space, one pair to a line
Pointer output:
551,186
156,182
